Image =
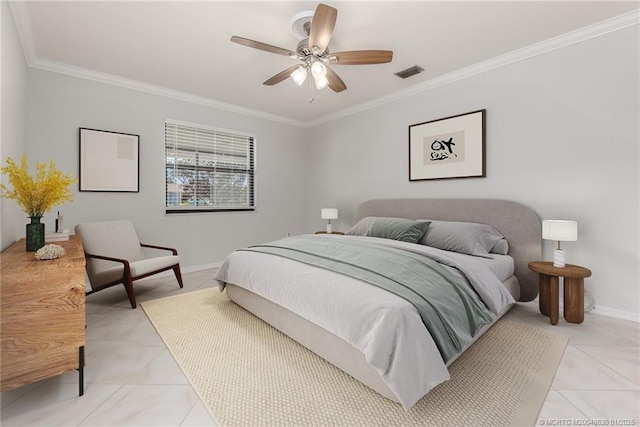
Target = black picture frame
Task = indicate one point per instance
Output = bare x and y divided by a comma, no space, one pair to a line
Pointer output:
450,147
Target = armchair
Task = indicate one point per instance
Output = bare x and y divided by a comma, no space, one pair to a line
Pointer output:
114,255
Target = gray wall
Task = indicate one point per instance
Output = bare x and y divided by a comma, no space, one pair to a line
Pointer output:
562,138
13,120
60,104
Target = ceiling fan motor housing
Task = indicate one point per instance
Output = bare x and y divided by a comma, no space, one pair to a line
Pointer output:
304,51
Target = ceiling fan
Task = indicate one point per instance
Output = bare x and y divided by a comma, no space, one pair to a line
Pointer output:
314,54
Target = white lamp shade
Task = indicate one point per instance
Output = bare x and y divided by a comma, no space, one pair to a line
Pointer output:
560,230
329,213
299,75
318,69
321,82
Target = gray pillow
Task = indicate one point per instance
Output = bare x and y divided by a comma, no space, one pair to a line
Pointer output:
464,237
501,247
361,227
405,230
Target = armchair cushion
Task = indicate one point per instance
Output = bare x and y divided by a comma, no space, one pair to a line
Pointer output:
146,266
138,268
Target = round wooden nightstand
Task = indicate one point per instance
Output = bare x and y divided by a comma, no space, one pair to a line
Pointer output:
574,276
333,232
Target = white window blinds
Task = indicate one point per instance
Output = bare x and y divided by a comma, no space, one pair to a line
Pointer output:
208,169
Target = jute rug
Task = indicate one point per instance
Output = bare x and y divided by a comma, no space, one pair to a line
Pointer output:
248,373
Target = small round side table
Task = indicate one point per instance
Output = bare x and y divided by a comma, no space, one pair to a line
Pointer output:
333,232
574,276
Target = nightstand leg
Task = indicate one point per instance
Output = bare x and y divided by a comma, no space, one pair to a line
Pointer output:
574,300
554,300
543,298
549,297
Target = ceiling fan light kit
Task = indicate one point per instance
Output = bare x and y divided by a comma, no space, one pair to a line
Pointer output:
318,69
313,51
321,82
299,75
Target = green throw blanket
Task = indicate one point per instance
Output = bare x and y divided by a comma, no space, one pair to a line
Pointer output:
450,309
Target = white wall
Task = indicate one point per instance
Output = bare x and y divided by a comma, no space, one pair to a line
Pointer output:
60,104
12,121
562,138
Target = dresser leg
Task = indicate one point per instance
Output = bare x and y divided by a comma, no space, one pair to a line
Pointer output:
574,299
81,370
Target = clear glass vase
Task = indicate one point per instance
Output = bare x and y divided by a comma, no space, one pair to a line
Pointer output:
35,234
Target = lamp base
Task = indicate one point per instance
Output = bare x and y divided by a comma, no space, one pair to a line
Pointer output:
558,258
329,229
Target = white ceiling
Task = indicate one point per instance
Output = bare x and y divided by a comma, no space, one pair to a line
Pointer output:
182,48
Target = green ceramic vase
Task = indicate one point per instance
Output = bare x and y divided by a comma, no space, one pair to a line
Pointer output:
35,234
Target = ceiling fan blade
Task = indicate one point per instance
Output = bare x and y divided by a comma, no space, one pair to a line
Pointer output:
362,57
263,46
335,82
322,25
282,75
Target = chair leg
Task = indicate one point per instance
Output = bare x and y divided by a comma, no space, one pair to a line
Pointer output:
128,286
176,271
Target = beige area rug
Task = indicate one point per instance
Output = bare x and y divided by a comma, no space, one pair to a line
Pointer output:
248,373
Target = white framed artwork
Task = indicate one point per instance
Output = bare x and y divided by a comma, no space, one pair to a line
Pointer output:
109,161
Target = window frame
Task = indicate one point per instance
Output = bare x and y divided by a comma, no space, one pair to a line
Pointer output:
251,170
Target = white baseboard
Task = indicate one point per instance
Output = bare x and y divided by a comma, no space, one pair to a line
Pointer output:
201,267
167,272
600,310
618,314
184,270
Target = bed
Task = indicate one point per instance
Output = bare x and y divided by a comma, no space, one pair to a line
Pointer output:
376,337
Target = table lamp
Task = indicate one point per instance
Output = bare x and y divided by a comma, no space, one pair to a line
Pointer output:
329,214
562,231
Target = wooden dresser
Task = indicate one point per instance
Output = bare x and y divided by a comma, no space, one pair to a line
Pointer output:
42,327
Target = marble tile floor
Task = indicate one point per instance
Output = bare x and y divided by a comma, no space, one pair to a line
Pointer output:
131,378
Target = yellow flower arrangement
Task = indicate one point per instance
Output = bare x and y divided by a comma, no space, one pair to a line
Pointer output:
36,195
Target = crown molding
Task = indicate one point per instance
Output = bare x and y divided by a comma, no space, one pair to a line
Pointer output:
111,79
18,10
601,28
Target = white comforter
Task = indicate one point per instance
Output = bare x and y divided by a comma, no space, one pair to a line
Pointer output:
386,328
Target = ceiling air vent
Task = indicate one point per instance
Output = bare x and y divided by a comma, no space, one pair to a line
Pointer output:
411,71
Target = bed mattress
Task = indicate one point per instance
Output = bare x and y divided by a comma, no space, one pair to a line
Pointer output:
385,328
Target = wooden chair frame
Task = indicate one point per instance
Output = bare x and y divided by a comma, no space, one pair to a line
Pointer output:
127,279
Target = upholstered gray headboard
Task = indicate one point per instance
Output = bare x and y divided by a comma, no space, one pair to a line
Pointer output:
520,225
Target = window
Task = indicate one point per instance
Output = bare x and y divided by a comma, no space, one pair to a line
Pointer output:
208,169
